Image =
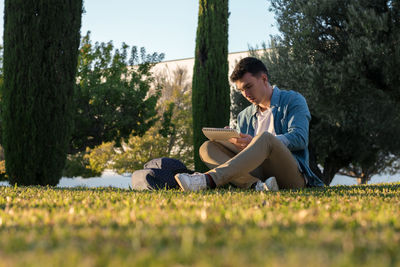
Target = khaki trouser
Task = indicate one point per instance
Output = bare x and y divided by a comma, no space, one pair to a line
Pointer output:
264,157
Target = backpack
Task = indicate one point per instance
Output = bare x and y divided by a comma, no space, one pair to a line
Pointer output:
158,174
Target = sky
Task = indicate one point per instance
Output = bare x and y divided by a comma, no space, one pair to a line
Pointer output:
169,27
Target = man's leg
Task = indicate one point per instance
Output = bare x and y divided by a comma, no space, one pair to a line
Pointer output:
213,154
266,153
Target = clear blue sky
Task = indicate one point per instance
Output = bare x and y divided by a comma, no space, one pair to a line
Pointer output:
170,26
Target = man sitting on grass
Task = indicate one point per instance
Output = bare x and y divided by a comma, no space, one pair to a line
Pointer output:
272,149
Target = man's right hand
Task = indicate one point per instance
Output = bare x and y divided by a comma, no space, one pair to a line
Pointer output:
241,142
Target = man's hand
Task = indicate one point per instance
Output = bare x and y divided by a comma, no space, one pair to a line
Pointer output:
241,142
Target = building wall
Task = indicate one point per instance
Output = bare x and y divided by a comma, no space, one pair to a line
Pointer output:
166,68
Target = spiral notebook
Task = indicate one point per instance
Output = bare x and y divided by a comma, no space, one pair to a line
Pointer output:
221,135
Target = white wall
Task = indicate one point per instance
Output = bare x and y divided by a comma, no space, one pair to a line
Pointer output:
167,67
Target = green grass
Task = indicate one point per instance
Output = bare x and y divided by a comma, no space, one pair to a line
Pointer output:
337,226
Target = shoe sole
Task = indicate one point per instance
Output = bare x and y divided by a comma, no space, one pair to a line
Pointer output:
179,181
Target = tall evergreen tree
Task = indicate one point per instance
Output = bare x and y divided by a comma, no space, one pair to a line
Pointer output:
210,93
41,40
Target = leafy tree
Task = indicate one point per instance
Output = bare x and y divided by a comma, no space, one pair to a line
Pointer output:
41,40
210,96
176,106
169,137
344,57
112,99
78,164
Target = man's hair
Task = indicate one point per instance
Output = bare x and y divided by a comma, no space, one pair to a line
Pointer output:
251,65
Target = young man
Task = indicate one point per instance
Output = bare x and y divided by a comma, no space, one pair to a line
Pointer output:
273,139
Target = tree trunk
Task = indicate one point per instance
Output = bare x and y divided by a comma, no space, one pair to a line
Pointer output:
363,179
331,167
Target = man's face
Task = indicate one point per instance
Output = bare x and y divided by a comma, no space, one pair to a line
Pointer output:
253,88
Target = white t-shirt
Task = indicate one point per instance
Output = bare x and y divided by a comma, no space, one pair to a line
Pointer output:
265,122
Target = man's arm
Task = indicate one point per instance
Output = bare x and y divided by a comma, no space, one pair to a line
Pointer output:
244,139
298,119
238,120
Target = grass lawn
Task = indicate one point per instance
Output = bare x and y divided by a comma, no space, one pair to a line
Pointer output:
337,226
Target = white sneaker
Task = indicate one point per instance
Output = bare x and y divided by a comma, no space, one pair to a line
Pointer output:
191,182
269,185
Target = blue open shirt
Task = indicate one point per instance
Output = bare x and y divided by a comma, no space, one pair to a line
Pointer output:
291,122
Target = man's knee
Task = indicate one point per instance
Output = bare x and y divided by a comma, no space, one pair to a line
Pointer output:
205,148
213,154
266,136
268,141
207,152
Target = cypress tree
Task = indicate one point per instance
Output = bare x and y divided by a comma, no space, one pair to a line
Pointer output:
210,88
41,40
